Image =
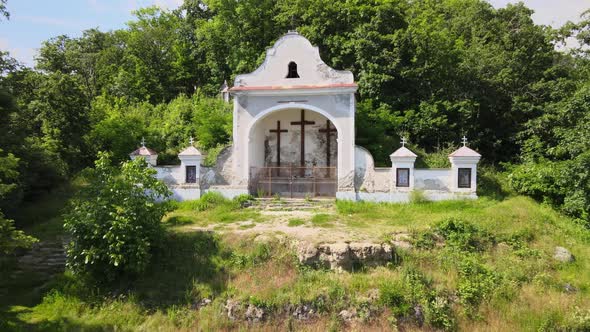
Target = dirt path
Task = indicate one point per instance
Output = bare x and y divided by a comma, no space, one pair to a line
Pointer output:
279,224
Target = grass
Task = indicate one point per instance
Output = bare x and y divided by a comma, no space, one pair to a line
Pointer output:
323,220
294,222
211,208
490,267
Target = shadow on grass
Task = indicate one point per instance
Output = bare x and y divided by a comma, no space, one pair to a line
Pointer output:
10,321
188,269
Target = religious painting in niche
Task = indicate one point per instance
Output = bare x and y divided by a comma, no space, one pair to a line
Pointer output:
191,174
292,70
402,177
464,178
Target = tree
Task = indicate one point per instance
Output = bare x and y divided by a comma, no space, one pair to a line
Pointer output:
114,222
3,10
10,237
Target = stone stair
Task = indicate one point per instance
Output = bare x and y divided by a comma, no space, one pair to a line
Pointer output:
292,204
46,259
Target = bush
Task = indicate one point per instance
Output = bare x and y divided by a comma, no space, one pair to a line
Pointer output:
476,283
12,238
393,295
463,235
114,222
562,184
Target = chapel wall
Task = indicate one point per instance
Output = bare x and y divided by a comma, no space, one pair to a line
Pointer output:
290,149
433,179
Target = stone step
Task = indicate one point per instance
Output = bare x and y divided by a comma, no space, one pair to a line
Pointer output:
291,204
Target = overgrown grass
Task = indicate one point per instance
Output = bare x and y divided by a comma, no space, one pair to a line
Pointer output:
476,265
211,208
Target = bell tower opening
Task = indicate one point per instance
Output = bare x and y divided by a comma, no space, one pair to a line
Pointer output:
292,70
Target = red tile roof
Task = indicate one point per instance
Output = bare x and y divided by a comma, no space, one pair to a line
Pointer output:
292,87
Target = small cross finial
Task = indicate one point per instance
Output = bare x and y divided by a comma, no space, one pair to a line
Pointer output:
143,142
403,141
464,139
191,141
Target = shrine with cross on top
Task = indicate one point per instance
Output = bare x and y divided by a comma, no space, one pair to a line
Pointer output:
294,136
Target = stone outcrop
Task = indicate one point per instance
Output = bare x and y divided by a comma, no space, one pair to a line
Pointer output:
344,256
563,255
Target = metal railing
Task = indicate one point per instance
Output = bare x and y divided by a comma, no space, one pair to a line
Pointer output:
293,181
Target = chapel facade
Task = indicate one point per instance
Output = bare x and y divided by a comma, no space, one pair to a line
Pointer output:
294,136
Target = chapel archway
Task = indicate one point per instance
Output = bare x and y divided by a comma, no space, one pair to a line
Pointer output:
293,152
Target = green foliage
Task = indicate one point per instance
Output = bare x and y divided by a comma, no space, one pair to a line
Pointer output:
462,235
12,238
563,184
114,222
393,294
476,283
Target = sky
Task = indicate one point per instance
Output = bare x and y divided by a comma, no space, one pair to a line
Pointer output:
34,21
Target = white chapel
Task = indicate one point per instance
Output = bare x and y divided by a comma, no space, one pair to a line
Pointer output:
294,136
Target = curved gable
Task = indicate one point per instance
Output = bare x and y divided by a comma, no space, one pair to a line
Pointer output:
292,49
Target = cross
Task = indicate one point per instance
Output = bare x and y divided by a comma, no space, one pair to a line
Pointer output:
464,139
403,141
191,141
328,130
143,142
278,131
302,123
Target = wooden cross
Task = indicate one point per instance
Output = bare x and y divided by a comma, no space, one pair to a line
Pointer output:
328,130
278,131
302,123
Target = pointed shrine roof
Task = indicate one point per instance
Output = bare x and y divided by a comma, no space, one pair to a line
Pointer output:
464,152
144,151
190,151
403,152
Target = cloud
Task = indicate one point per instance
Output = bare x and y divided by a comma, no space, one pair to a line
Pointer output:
549,12
45,20
24,55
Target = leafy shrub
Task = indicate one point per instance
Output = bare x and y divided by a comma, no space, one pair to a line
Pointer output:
243,200
12,238
437,159
260,253
394,296
562,184
463,235
491,183
476,283
414,291
424,240
579,321
114,222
